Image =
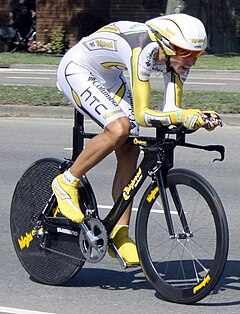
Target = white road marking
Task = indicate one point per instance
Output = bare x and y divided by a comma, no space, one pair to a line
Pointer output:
28,77
214,78
27,70
70,149
190,81
200,83
135,209
19,311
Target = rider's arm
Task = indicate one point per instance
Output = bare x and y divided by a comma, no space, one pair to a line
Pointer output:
173,88
191,118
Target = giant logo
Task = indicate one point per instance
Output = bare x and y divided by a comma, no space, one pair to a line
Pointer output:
132,185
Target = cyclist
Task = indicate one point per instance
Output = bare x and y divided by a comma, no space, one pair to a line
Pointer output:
22,15
91,75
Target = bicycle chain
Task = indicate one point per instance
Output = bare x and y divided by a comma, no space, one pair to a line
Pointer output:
92,252
63,254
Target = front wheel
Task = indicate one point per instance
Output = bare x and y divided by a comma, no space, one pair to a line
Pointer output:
186,267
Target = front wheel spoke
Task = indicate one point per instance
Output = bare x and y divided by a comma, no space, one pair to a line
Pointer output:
192,255
168,258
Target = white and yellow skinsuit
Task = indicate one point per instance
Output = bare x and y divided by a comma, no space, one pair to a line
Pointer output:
91,74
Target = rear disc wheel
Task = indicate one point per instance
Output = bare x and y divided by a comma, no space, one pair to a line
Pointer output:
30,197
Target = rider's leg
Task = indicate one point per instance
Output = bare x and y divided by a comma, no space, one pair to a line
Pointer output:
65,185
127,156
113,136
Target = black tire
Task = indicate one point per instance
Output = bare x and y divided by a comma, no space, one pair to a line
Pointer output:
183,270
30,197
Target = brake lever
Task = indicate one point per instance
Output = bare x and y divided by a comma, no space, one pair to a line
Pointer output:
218,148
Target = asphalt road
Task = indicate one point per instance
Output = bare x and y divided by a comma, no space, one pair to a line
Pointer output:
39,75
104,287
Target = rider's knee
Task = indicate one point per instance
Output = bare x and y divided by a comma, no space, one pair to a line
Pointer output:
119,130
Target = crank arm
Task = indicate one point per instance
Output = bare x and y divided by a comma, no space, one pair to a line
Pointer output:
92,239
118,256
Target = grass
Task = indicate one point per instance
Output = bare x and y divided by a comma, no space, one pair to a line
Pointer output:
218,62
50,96
32,95
221,102
28,58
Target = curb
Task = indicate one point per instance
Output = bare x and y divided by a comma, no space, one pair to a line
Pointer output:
28,66
230,119
26,111
67,112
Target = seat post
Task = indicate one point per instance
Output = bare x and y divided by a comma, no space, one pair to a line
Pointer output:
78,130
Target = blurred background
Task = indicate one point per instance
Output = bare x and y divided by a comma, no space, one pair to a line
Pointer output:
73,19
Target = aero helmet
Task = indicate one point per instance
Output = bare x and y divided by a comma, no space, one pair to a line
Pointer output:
179,34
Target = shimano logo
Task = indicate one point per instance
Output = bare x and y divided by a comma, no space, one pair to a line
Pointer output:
67,231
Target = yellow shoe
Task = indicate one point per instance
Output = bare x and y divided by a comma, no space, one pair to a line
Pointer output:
125,245
67,198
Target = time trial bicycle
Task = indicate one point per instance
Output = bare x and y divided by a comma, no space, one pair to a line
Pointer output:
181,228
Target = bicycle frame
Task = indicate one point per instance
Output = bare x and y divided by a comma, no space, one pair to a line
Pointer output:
157,161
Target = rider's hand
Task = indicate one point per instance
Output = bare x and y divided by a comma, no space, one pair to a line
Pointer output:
192,119
211,120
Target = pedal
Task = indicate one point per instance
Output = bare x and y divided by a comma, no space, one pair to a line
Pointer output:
122,262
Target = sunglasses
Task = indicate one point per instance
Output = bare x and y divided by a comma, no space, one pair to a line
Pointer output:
183,53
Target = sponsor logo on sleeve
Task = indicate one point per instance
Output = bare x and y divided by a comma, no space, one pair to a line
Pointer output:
101,44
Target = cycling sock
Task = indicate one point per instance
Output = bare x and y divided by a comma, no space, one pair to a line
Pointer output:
68,177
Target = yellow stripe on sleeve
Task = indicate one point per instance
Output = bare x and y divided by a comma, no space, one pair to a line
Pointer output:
140,90
141,99
178,88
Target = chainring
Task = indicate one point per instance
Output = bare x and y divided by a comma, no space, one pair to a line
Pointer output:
94,253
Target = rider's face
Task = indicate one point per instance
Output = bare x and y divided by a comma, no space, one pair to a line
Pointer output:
181,65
